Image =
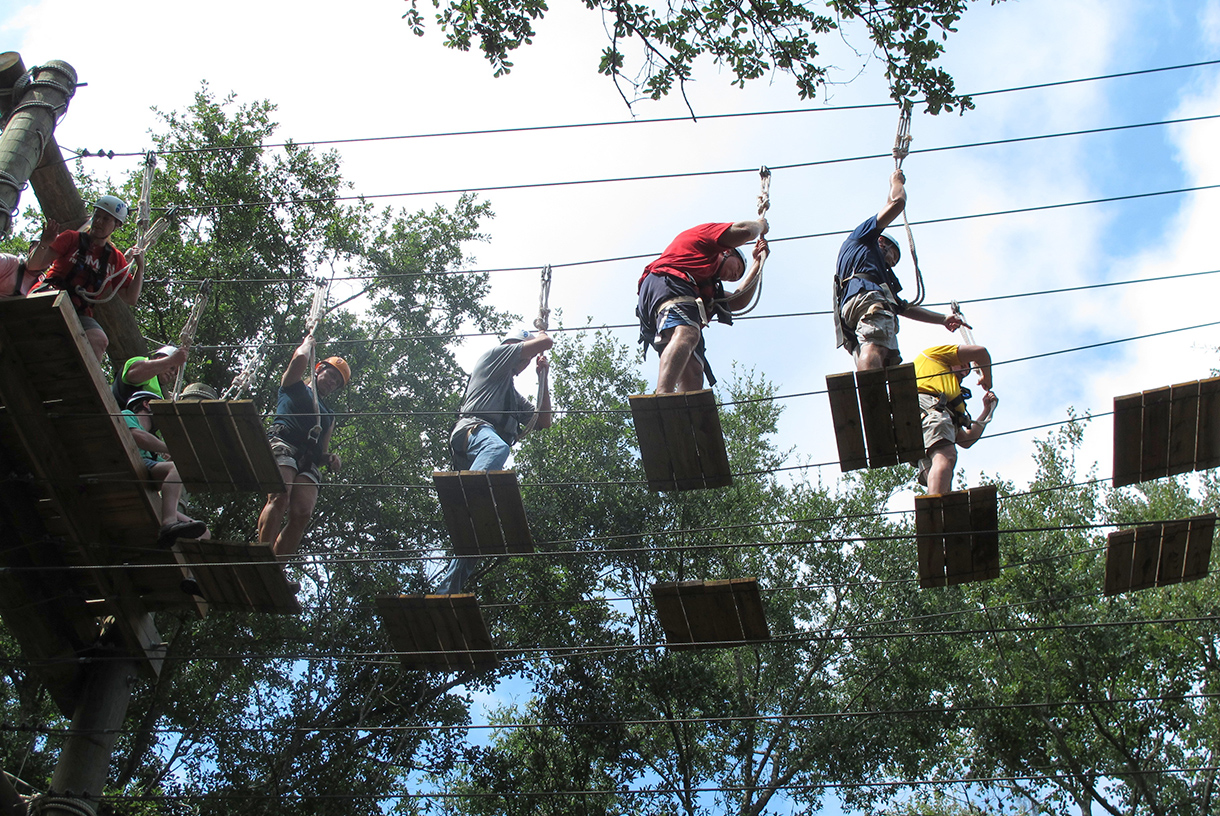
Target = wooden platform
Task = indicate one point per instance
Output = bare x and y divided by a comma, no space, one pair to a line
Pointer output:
238,577
1159,554
958,539
711,613
483,512
438,632
1166,431
218,445
681,441
876,417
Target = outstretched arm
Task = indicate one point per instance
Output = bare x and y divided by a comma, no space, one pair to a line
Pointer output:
44,254
743,232
543,411
952,322
896,202
300,359
145,370
742,295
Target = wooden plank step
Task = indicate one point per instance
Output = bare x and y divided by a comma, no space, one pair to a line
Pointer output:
904,408
845,416
1166,431
219,445
700,614
876,417
957,536
681,440
484,512
1157,555
444,633
239,577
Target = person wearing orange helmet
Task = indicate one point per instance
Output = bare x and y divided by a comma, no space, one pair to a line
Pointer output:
298,453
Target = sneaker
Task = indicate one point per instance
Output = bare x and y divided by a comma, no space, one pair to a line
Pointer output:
191,587
180,529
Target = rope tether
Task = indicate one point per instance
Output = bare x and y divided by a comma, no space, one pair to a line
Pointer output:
254,355
316,309
144,211
764,204
187,336
902,147
541,323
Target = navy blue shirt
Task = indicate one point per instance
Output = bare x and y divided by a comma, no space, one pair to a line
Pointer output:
294,411
861,265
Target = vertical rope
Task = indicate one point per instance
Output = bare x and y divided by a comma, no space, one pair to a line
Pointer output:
187,336
315,317
253,360
541,323
902,147
144,208
764,204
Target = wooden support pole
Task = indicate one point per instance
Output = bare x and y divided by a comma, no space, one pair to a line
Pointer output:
62,202
85,759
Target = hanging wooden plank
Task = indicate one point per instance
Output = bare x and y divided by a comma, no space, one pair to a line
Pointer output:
1174,537
930,541
1207,449
878,418
957,536
438,632
1128,433
845,415
904,407
1159,554
249,426
700,614
1120,555
1199,547
218,445
488,536
484,512
230,445
239,577
456,513
1183,427
681,440
1154,458
506,492
985,523
959,563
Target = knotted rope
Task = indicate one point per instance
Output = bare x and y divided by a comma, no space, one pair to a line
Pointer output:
764,204
254,355
187,335
144,208
902,147
541,323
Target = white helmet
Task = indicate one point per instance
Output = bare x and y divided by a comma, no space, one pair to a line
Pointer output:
113,205
517,336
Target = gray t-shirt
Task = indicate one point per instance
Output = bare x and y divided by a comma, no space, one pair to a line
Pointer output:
491,399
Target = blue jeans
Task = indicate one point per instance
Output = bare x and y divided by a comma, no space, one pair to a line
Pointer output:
485,450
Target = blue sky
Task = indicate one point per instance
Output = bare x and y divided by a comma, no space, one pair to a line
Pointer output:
306,56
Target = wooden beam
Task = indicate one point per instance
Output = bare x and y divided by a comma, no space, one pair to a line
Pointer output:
845,416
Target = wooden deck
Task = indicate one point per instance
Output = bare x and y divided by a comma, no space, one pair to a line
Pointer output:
876,417
958,540
444,633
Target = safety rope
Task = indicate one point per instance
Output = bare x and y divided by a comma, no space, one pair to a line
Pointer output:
541,323
47,803
144,209
187,336
142,246
316,310
968,336
253,359
902,147
764,204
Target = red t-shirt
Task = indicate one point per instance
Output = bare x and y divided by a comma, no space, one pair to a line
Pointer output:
65,273
693,256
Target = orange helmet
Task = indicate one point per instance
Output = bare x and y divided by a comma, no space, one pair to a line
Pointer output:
338,364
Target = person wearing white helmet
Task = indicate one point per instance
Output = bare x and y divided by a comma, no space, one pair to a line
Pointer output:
142,373
155,454
493,416
89,261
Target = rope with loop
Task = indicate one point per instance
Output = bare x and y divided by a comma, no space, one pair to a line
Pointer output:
144,208
187,335
902,147
316,310
541,323
142,246
253,359
764,204
47,803
967,335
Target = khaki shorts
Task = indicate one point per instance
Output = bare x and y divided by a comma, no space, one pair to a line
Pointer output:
289,456
938,429
873,320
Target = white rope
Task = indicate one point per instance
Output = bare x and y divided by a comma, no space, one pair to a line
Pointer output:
187,335
764,204
541,323
252,360
144,208
316,310
902,148
142,245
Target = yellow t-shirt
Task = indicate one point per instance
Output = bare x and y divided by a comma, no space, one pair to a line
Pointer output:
933,371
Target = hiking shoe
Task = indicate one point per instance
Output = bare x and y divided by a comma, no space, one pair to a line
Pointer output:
180,529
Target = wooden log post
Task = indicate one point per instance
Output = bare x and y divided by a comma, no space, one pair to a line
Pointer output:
34,106
61,201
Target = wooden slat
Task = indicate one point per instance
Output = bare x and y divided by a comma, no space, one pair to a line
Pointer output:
178,440
412,632
507,495
1207,452
750,609
1128,432
224,431
475,636
212,462
845,415
878,419
709,438
217,583
721,609
1174,537
671,614
1199,547
456,513
930,541
654,453
699,615
959,563
680,440
1146,556
985,521
904,406
489,538
1183,427
249,427
455,655
1120,554
1154,458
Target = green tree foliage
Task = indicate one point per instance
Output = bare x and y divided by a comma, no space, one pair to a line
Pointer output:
653,48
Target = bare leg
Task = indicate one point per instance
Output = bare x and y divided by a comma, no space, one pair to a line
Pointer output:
940,475
674,358
272,517
303,497
692,375
98,341
166,473
871,356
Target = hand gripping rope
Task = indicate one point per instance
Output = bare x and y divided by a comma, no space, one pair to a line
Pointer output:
902,147
967,335
253,358
316,309
187,336
764,204
541,323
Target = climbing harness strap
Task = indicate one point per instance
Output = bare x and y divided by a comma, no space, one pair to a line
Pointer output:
541,323
142,245
902,147
187,335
